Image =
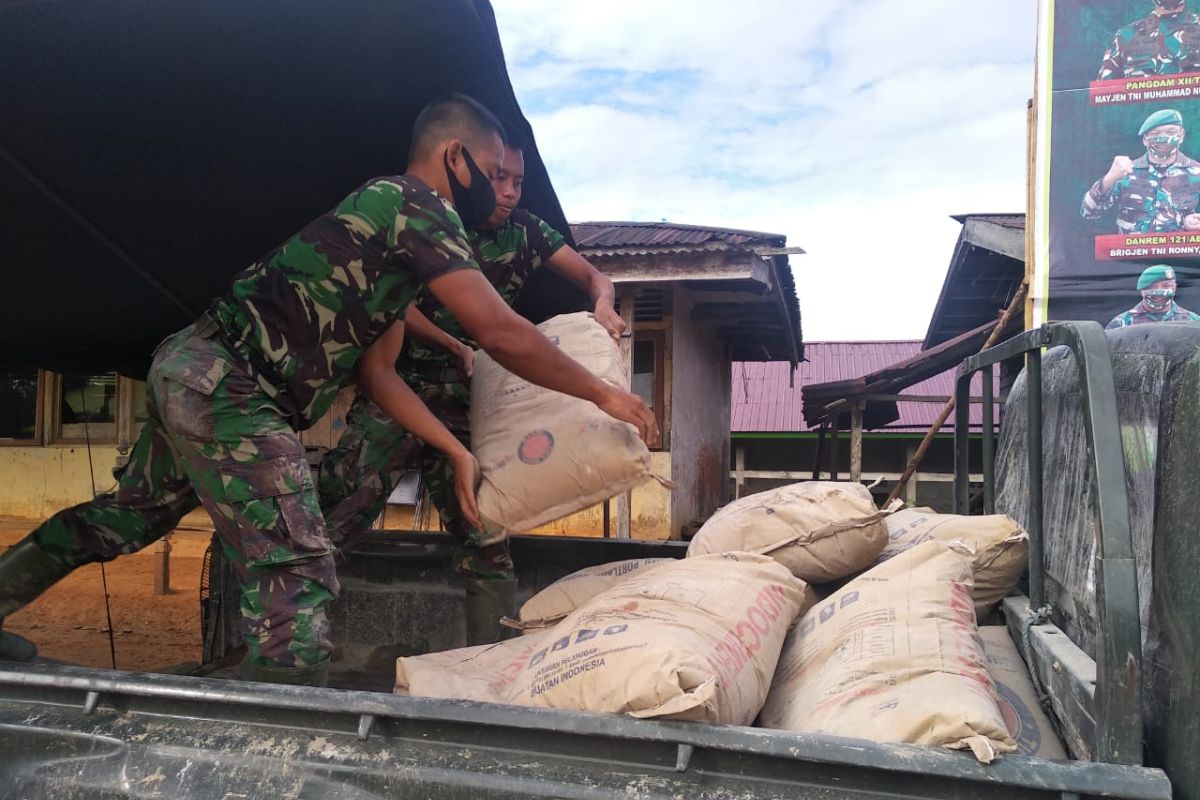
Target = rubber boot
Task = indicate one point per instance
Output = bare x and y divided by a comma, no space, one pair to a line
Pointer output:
314,675
26,571
487,601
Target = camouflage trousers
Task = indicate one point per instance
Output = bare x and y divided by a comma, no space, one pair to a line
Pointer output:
214,438
358,475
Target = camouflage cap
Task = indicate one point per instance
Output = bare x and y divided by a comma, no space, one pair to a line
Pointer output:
1159,272
1164,116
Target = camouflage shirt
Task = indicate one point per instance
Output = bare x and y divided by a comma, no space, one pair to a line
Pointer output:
304,314
1154,45
508,255
1140,315
1153,199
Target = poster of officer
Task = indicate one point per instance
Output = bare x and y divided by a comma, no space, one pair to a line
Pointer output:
1164,42
1118,188
1158,286
1156,192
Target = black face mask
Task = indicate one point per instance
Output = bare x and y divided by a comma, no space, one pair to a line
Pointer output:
474,203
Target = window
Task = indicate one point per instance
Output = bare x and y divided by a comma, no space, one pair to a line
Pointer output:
86,408
649,378
20,401
137,391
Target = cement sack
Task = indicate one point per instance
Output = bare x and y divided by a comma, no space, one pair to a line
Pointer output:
821,531
695,639
545,455
1027,723
894,656
1001,547
550,605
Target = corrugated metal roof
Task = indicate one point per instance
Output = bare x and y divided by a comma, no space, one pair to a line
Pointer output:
661,234
763,402
1016,221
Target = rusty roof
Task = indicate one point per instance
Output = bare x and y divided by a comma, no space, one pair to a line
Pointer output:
667,235
985,270
753,325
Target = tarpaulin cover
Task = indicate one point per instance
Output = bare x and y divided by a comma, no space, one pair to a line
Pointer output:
1157,375
149,149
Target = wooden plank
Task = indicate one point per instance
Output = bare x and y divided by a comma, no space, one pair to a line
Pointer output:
856,440
826,475
627,296
1067,673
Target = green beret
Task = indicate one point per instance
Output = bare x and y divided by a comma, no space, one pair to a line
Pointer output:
1166,116
1159,272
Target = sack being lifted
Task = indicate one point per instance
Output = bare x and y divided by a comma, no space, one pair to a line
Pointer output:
895,656
820,530
695,639
1001,547
545,455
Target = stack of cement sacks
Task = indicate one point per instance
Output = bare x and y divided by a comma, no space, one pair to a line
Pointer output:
736,633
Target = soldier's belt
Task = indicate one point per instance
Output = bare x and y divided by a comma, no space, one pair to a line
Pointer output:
432,374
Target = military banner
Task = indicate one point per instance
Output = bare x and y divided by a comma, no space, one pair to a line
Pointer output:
1117,215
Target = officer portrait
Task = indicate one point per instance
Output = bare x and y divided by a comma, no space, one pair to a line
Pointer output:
1156,192
1164,42
1158,287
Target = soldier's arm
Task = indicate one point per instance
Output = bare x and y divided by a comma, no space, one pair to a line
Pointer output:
521,348
423,328
377,379
599,287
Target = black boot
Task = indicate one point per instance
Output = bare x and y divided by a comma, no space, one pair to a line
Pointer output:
315,675
489,599
26,571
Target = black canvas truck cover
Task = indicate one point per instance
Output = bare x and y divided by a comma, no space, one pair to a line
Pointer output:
150,149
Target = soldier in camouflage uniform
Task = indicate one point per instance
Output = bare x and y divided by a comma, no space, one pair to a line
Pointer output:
358,475
1156,193
1157,285
1166,42
227,396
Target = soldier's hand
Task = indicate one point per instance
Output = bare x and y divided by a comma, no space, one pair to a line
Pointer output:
466,482
1191,222
466,361
628,407
607,316
1122,167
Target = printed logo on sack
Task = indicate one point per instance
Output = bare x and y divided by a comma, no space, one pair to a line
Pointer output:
583,635
536,447
1019,720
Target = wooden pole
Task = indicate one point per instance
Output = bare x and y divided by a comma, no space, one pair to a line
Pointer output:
856,441
627,296
1015,305
739,483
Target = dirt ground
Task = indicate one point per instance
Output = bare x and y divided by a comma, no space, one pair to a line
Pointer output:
151,631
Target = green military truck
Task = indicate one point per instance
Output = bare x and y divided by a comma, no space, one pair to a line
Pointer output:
69,732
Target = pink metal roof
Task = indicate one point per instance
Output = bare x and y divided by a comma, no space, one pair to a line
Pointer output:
763,402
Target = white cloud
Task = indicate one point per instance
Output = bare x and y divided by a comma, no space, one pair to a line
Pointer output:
854,127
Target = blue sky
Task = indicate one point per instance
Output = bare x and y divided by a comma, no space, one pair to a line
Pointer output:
855,127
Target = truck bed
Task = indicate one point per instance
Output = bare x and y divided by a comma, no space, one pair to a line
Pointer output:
69,732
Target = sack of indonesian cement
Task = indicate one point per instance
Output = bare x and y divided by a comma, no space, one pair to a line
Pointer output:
545,455
819,530
1027,723
550,605
695,639
1001,547
894,656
